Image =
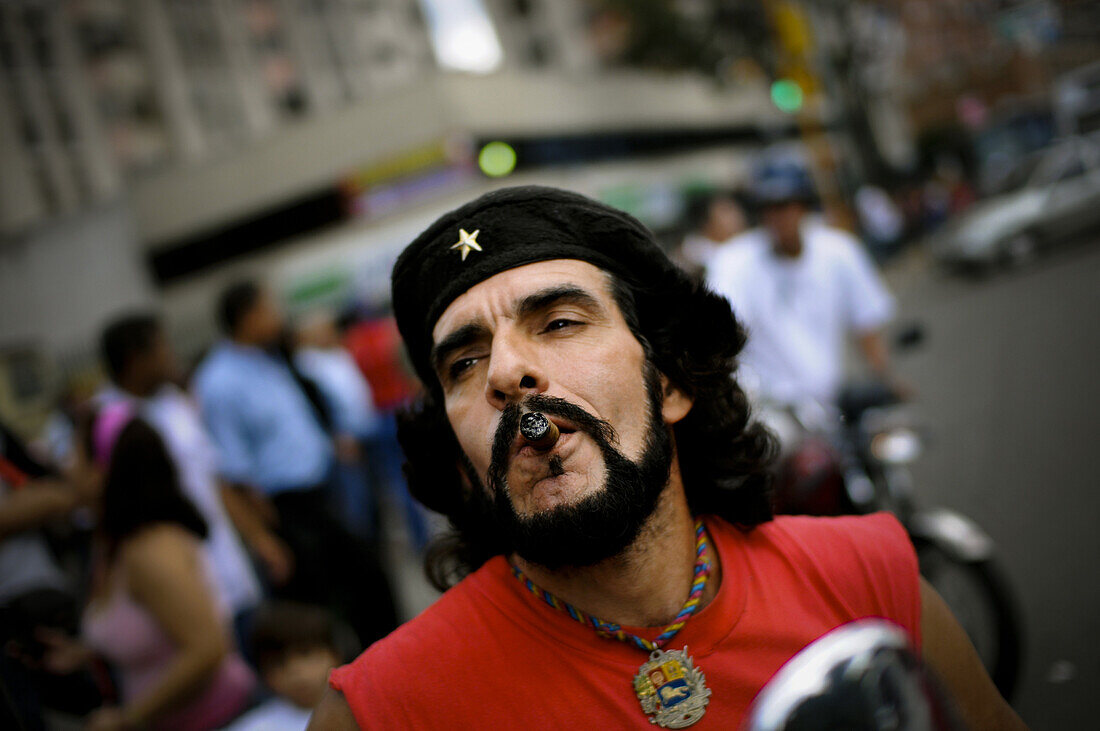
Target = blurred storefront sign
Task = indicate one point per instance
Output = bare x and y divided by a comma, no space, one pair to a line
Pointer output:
324,288
407,178
350,265
351,269
658,204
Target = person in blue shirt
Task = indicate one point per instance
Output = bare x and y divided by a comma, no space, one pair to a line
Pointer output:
320,356
272,434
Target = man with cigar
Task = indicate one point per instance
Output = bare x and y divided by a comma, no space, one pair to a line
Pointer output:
627,571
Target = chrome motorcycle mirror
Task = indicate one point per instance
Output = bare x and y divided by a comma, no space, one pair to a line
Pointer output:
862,676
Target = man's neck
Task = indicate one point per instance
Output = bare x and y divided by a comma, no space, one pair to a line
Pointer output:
788,250
716,236
786,247
252,344
647,584
138,389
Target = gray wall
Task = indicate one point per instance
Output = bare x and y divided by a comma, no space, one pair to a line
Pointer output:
59,283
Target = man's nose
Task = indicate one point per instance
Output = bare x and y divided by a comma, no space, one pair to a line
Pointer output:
513,373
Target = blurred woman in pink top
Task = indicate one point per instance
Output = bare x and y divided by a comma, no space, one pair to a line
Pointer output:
153,614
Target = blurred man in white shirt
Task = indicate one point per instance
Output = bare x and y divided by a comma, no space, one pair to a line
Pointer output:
801,288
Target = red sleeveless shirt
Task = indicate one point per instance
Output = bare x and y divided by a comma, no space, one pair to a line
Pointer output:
489,654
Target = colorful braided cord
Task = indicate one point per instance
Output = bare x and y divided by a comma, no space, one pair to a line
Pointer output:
610,629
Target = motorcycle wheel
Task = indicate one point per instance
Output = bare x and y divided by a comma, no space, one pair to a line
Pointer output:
980,601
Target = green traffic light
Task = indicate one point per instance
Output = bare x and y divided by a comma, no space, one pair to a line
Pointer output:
787,95
497,159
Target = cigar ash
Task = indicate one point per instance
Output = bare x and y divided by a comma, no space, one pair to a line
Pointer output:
538,431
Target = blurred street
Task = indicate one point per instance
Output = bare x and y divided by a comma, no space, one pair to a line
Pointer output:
202,203
1007,385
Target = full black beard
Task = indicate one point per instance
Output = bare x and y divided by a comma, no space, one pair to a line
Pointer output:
604,523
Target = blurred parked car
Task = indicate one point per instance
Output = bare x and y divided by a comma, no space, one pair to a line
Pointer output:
1053,196
1077,100
1017,128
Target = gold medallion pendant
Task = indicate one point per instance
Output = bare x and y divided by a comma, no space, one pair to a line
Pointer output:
671,689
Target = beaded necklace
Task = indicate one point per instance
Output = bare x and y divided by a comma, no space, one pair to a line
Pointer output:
669,687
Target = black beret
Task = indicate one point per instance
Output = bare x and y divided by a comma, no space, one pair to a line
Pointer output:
507,228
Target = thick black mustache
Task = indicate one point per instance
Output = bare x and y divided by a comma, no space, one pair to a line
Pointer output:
601,432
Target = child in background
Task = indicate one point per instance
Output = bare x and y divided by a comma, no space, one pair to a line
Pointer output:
294,646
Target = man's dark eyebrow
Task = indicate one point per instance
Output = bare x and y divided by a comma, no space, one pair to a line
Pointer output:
460,338
529,305
562,294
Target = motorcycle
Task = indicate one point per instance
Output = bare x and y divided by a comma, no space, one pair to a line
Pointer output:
862,675
854,458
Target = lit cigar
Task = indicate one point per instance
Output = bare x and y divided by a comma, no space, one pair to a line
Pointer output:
540,432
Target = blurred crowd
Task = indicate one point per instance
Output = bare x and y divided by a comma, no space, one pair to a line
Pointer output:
199,550
887,217
175,550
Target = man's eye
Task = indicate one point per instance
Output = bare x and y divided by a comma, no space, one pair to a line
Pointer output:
460,366
560,324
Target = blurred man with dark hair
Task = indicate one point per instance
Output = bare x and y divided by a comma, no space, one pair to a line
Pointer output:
801,288
134,352
237,301
274,447
712,219
142,368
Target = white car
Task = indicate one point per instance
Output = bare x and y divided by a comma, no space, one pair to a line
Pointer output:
1053,196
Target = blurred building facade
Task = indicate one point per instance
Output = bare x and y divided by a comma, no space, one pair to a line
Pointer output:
102,92
97,96
147,141
987,51
100,96
154,149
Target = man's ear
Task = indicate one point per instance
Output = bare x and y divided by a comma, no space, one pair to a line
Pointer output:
676,404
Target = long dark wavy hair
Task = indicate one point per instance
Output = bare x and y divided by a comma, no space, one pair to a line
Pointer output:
690,334
142,487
